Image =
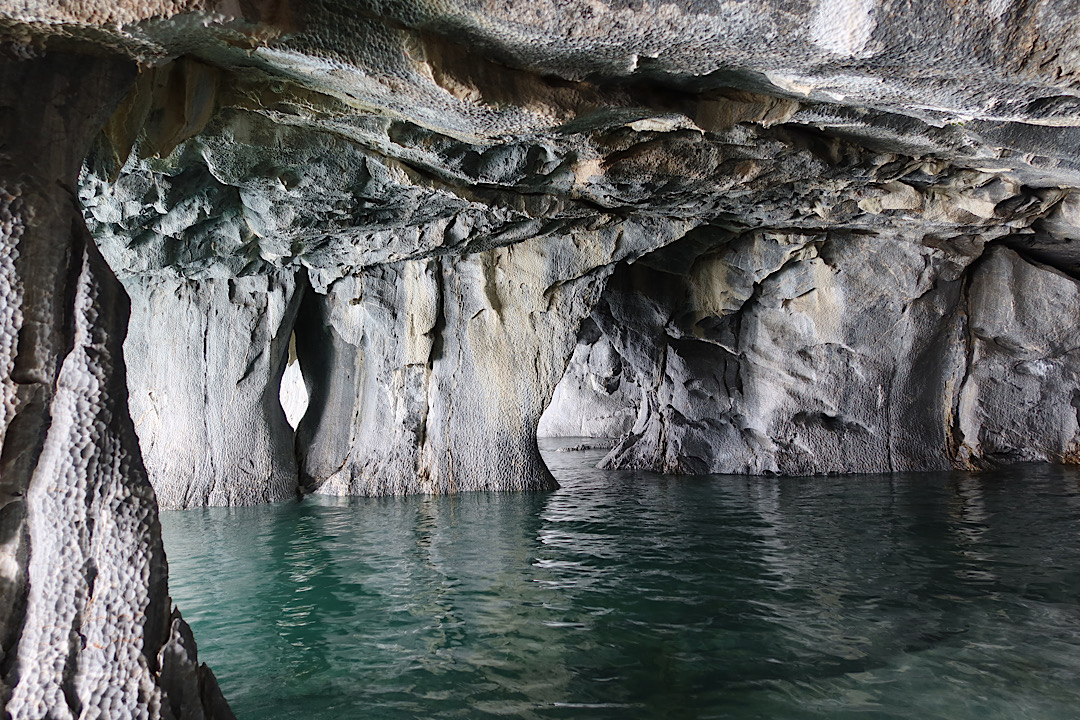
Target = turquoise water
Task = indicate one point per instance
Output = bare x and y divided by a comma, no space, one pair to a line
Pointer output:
632,595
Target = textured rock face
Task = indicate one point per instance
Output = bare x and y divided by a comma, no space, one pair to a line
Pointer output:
596,396
85,605
763,236
1018,399
204,387
440,369
831,179
801,354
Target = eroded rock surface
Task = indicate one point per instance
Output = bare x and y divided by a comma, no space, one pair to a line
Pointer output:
441,368
765,237
85,607
376,215
597,395
204,369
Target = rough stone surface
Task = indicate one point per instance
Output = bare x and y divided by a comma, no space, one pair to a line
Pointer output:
762,237
751,362
1019,397
431,375
83,584
275,180
597,396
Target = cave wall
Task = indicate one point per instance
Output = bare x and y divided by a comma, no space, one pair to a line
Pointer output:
86,624
841,353
838,353
800,302
431,375
205,361
827,237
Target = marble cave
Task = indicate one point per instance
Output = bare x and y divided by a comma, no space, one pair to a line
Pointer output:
254,250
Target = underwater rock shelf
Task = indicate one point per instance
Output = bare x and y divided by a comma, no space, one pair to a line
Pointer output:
739,238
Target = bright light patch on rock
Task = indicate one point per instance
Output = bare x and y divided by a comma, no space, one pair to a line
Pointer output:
293,396
844,27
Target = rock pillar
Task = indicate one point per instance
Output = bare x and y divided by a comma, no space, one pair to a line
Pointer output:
84,605
430,376
205,364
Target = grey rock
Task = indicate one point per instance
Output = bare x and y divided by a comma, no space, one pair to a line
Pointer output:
1018,399
431,375
191,691
83,579
595,397
205,361
848,353
747,237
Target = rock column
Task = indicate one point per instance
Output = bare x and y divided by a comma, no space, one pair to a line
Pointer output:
430,376
206,359
84,607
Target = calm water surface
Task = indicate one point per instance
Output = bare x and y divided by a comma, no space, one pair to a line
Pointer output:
633,595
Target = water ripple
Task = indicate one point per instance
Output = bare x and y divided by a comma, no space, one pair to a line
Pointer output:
637,595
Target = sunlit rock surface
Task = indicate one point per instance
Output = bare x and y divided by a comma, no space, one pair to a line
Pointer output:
596,396
204,374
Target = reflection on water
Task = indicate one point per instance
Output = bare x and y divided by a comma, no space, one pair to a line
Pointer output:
633,595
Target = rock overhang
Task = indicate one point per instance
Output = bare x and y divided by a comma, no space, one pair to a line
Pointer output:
343,141
758,237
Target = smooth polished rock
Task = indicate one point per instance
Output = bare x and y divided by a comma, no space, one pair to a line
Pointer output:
431,376
846,353
205,361
597,396
1019,397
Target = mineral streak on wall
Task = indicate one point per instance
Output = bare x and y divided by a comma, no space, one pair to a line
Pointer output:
760,237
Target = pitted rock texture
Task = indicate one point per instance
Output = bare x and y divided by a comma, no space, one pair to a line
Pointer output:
790,238
85,606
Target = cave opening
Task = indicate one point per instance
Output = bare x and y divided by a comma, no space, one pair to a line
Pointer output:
293,393
370,279
597,397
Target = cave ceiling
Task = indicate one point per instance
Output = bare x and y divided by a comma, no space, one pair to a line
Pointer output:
867,169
